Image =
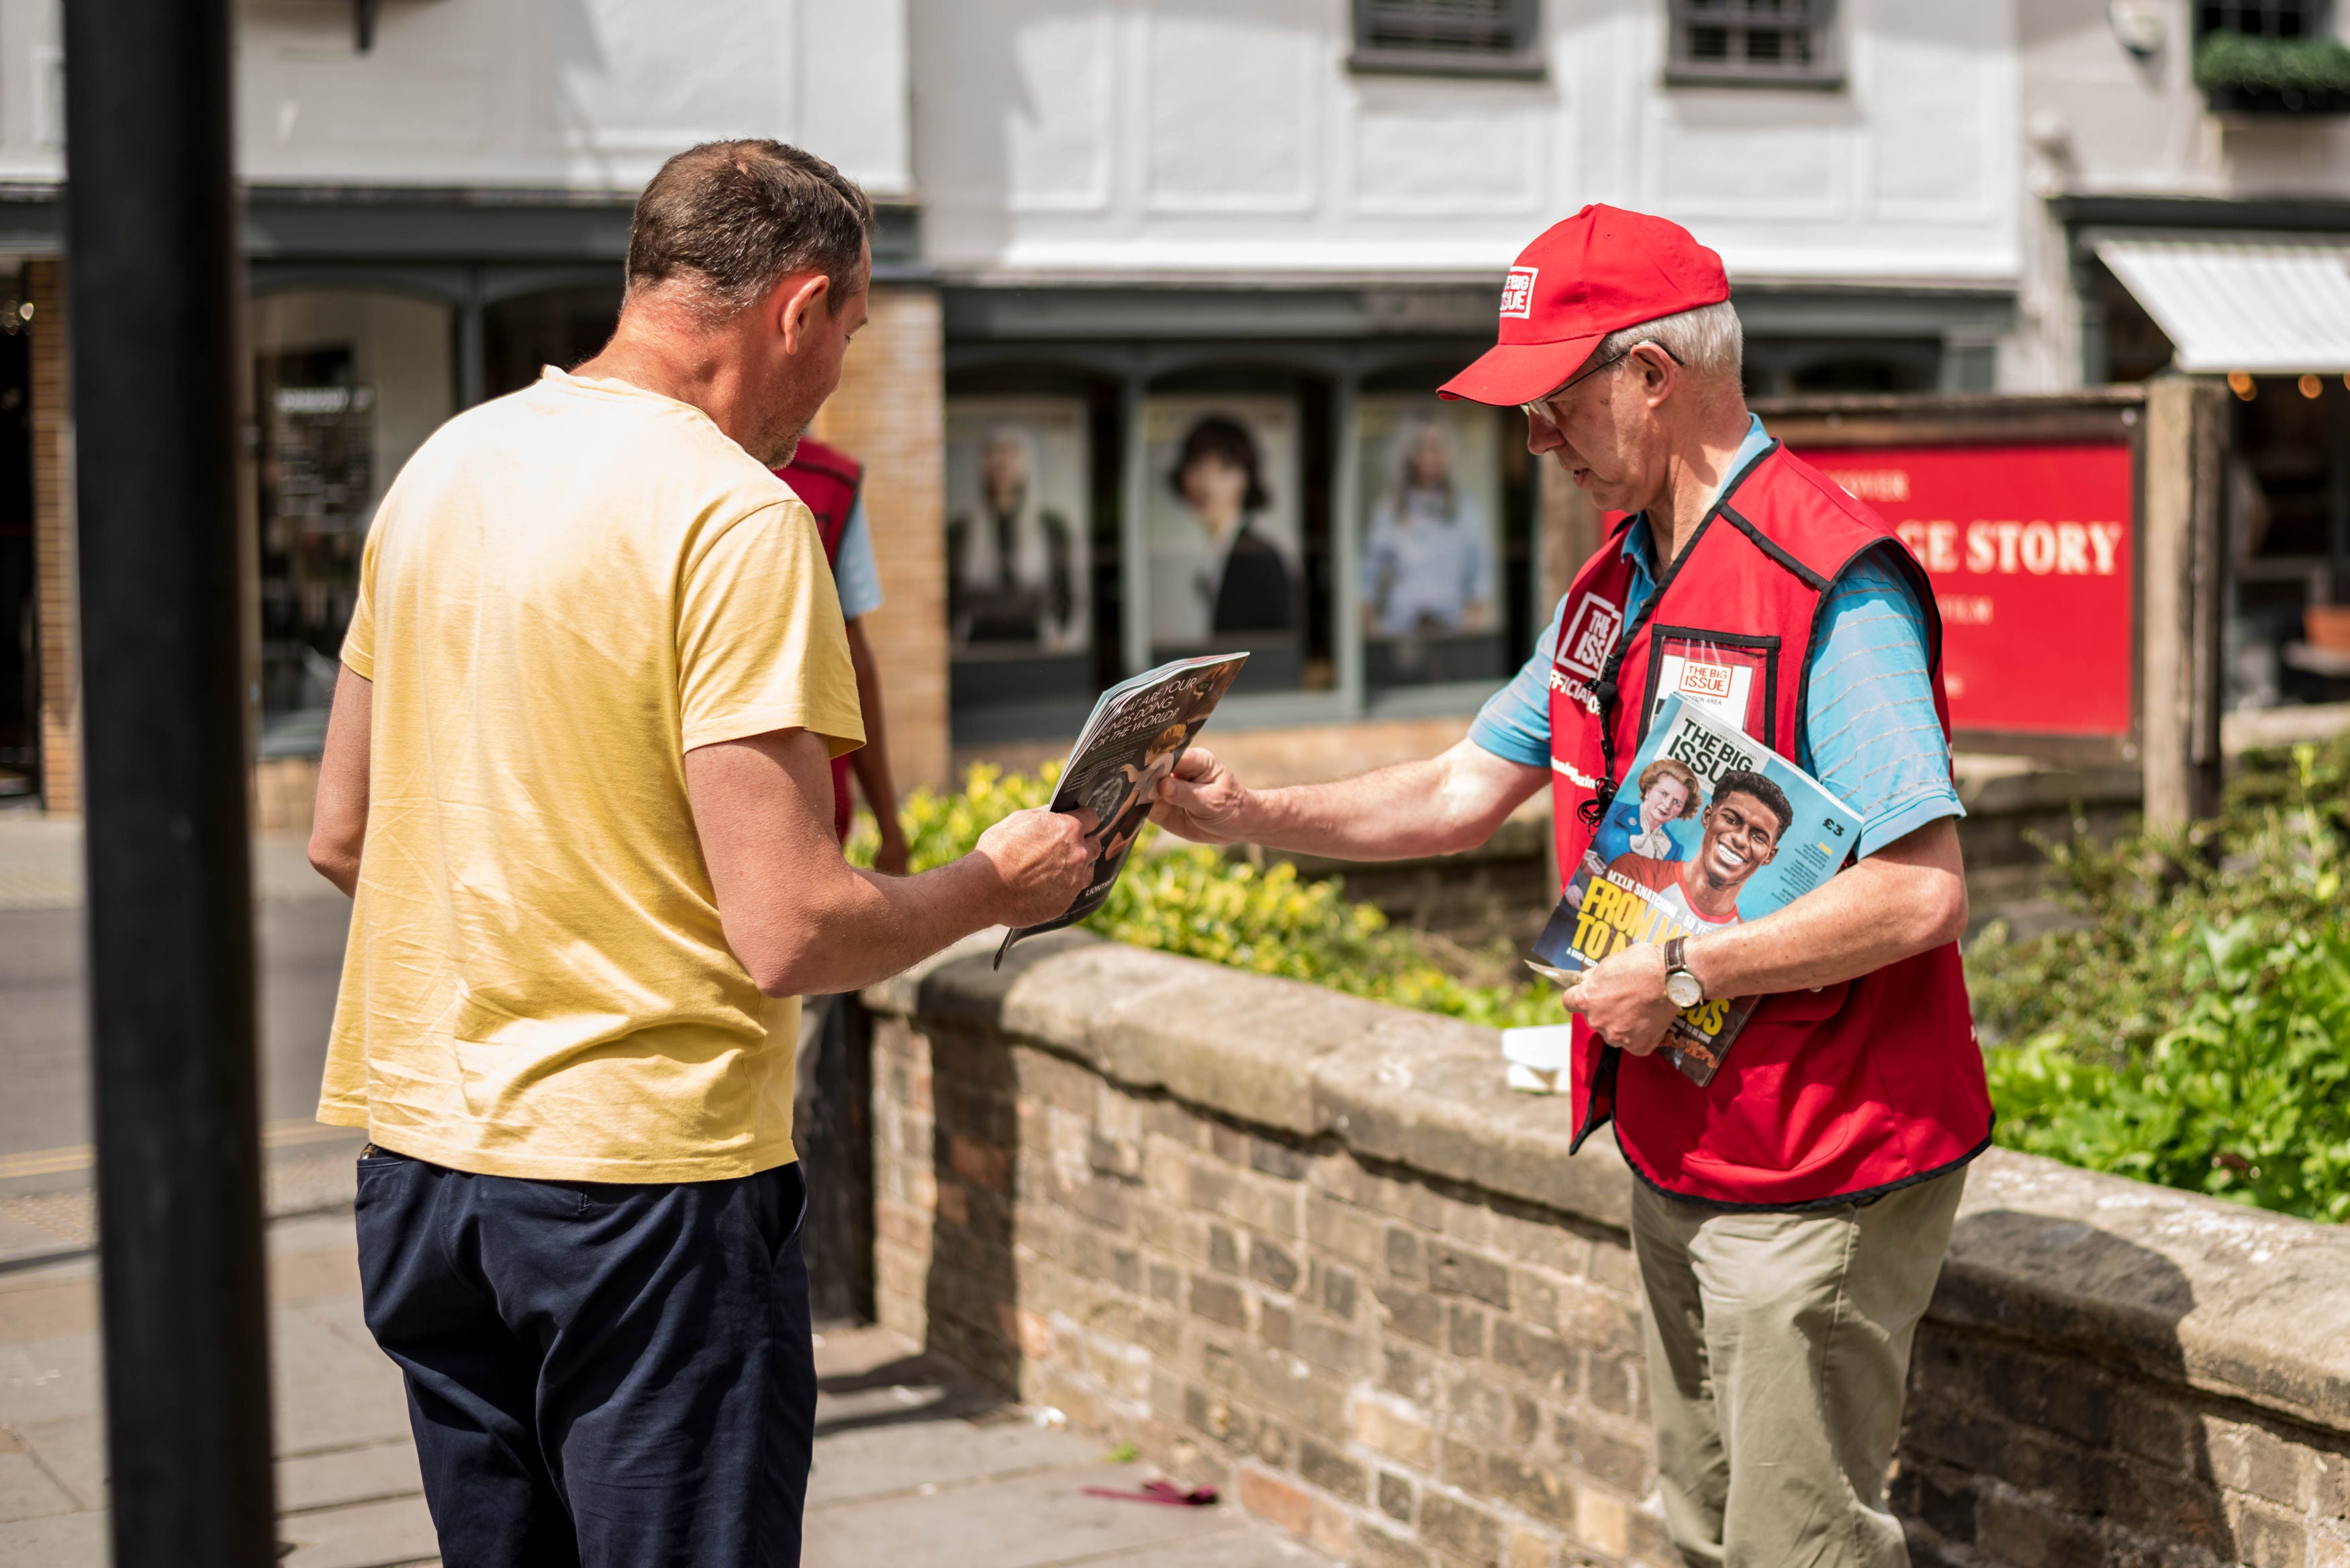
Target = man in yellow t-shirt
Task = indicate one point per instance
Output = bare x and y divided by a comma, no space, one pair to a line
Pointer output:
577,780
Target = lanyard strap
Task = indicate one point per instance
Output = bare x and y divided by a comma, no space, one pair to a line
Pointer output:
1607,686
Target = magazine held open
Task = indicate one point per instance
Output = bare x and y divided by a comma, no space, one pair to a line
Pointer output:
1136,732
1709,828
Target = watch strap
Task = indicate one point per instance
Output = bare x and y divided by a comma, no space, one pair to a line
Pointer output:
1674,951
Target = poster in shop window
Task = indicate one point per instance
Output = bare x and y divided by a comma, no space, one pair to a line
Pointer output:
1222,518
1019,579
1430,543
2032,552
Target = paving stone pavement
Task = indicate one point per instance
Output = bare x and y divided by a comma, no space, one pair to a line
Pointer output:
916,1465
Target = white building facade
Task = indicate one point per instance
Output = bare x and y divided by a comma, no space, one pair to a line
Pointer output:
1168,284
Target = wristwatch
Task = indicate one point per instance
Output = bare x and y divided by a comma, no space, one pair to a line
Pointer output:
1682,989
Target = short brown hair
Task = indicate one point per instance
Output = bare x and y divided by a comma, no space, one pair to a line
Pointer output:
735,216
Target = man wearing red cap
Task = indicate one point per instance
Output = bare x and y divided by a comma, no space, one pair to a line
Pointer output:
1790,1217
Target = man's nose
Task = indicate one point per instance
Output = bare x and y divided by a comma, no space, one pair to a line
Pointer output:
1541,436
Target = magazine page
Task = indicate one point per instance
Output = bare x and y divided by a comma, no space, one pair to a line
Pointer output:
1709,829
1139,730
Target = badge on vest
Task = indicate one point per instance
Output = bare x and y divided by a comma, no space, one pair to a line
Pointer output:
1734,681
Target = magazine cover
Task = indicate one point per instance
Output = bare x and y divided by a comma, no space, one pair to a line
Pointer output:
1138,730
1709,829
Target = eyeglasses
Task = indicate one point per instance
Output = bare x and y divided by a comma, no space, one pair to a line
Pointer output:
1540,408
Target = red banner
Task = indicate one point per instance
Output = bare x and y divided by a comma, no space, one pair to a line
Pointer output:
2030,555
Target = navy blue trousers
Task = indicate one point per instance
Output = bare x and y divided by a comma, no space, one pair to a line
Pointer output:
600,1374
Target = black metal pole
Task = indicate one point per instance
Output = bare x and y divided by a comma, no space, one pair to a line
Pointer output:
152,275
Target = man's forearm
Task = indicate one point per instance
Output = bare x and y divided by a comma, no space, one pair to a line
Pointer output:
863,928
1437,805
803,921
1907,898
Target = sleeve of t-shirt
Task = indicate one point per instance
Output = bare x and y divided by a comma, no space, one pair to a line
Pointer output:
1514,723
1870,733
854,575
760,642
358,638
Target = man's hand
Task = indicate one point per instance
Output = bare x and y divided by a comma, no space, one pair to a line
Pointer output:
1623,999
1201,800
1041,861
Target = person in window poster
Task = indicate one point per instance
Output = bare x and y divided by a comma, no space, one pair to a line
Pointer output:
1425,561
1669,793
1010,577
1743,827
1244,585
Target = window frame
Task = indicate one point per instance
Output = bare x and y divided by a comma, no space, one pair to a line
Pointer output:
1825,74
1523,62
2317,19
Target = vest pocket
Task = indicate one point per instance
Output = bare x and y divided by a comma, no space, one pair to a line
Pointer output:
1732,675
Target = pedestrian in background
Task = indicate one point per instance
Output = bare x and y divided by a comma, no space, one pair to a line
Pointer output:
832,483
577,780
1790,1218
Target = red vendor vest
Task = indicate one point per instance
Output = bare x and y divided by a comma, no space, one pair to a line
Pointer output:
827,478
1828,1095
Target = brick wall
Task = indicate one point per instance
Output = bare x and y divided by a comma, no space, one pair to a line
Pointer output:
56,613
1307,1249
1398,1370
890,412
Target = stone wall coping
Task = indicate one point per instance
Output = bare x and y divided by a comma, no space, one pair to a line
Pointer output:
2181,1288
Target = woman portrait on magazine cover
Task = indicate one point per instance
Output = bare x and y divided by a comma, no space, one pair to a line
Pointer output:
1669,793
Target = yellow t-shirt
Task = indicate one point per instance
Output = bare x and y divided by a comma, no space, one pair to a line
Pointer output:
564,591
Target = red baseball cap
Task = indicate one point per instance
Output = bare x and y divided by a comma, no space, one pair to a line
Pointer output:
1598,272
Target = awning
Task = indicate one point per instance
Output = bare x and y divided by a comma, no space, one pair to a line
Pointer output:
2269,304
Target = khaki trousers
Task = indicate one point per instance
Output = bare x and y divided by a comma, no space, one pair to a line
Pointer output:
1778,1351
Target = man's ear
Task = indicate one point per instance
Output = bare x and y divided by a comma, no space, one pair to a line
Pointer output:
1658,372
798,299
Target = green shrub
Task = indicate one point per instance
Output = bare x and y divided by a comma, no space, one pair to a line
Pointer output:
2247,63
1199,902
2195,1031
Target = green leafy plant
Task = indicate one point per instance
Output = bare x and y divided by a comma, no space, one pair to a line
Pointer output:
1202,903
2245,62
2194,1029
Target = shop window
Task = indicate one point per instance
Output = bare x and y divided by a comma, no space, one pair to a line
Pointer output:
1236,524
1776,366
347,385
1435,539
560,327
1753,43
1481,37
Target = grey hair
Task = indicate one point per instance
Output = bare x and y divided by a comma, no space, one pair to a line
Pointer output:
1708,342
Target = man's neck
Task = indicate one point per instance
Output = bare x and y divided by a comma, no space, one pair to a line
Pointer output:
1713,899
1695,471
683,366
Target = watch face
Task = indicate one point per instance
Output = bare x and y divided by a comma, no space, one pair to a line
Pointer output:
1683,989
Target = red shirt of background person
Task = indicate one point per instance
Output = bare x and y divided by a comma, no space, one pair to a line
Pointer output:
827,479
1743,827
